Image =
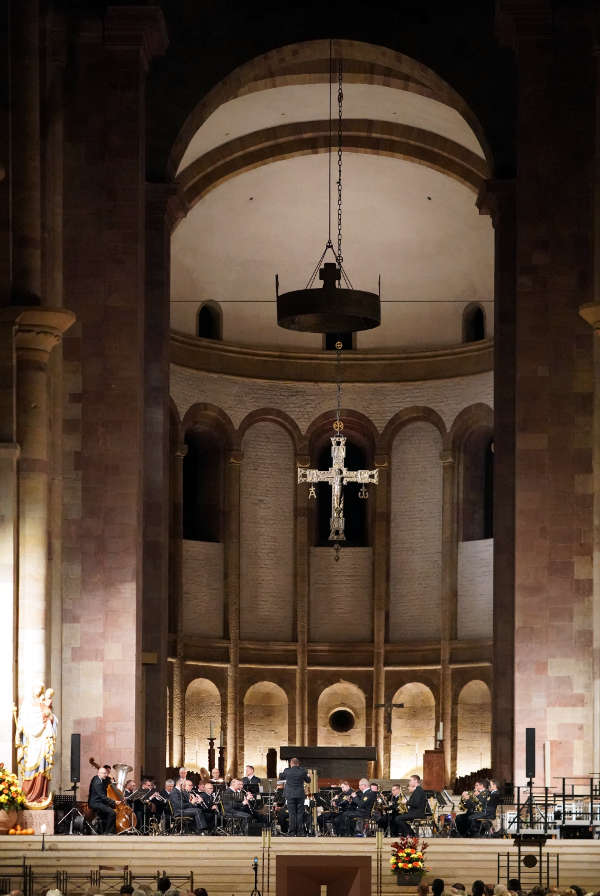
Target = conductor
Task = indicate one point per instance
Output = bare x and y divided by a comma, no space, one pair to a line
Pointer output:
295,777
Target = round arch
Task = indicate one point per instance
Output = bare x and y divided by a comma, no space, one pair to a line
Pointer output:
414,414
272,415
344,698
474,728
413,729
202,706
265,723
204,415
308,62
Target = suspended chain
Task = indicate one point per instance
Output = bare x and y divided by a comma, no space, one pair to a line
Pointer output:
340,257
338,425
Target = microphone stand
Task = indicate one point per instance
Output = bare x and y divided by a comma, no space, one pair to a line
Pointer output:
255,891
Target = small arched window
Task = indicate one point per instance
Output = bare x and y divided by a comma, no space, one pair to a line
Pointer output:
209,321
473,324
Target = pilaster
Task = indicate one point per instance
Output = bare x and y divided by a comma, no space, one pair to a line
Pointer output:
233,757
449,600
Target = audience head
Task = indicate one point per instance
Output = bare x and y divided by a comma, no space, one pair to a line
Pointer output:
514,884
164,884
489,890
423,890
126,890
437,887
460,887
200,891
478,888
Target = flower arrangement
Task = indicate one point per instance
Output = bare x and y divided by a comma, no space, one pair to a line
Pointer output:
11,795
408,857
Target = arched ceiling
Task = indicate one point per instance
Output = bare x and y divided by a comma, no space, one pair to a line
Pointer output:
254,177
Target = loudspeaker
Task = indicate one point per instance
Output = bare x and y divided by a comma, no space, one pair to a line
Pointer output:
75,758
530,752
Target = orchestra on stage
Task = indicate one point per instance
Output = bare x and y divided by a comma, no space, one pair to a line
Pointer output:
288,807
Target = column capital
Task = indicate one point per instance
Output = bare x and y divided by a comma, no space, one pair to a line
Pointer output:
39,329
521,21
496,197
164,201
10,450
140,28
447,457
590,312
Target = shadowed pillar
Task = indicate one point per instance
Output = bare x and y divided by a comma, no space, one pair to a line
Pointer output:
449,592
232,598
38,331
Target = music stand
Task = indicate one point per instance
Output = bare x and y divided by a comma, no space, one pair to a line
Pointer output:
75,817
132,828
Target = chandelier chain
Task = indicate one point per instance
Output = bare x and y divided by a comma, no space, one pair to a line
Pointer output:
340,97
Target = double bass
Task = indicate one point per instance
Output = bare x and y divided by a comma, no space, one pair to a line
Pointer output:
126,818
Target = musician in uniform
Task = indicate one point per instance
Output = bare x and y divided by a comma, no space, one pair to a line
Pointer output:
181,806
489,799
295,777
237,804
360,807
396,809
250,782
416,807
99,801
210,805
471,803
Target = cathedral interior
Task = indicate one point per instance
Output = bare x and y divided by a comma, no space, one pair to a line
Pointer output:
160,565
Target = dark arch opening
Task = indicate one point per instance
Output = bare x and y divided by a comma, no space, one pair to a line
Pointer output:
341,720
209,322
473,324
202,486
478,486
355,508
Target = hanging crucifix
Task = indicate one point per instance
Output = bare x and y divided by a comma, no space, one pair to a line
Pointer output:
337,476
387,713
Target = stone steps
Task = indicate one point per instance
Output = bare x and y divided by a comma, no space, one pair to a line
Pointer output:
224,865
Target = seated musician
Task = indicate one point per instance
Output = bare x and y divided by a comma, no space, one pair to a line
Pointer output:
470,803
280,808
183,773
210,805
416,807
133,799
360,807
396,804
250,782
153,800
182,806
490,799
215,777
236,803
99,801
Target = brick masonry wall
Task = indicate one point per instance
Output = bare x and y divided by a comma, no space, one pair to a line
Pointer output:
341,595
475,589
267,504
203,589
305,401
202,706
416,534
474,728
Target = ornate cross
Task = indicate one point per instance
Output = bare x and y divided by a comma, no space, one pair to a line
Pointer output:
387,713
338,476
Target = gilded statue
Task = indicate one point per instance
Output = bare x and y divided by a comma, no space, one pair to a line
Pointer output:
35,740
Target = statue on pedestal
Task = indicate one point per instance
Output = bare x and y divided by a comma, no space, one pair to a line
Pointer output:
35,740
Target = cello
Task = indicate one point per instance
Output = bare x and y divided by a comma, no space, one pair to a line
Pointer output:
126,818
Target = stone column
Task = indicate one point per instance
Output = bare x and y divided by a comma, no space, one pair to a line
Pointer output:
9,454
498,200
381,596
178,667
26,287
302,607
38,331
591,313
233,759
449,598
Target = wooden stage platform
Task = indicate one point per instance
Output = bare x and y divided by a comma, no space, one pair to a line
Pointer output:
224,864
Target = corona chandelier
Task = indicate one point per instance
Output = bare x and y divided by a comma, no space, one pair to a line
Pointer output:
333,308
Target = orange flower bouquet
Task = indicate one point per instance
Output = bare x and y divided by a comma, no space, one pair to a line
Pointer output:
11,795
407,860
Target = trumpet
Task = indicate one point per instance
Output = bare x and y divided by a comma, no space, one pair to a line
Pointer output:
474,799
